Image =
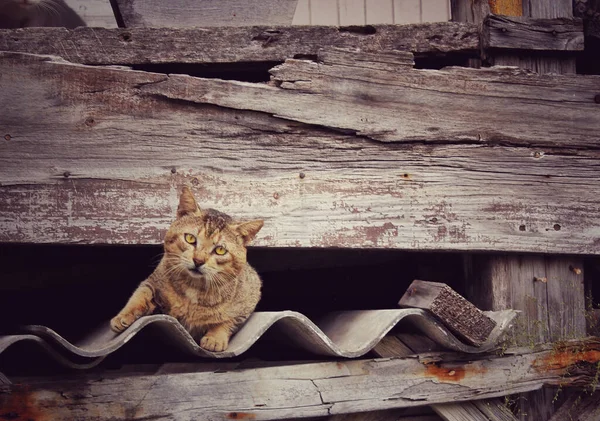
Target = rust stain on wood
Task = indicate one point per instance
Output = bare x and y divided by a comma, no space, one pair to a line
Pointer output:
241,416
506,7
452,374
564,359
20,405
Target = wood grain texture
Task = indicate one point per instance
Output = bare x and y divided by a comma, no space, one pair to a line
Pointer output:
105,162
457,313
542,63
206,13
509,106
229,45
546,289
533,34
479,410
468,411
305,390
550,295
581,406
472,11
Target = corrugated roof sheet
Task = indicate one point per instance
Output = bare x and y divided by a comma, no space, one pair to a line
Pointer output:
346,334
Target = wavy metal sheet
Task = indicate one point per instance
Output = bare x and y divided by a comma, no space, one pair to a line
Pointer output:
347,334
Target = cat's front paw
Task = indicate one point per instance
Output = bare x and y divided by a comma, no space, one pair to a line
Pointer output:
122,321
214,343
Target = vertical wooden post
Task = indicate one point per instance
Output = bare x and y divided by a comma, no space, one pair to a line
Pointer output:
549,291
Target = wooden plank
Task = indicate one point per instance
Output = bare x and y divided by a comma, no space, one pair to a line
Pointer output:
542,63
517,107
391,346
457,313
581,406
549,294
206,13
230,45
533,34
495,410
465,411
472,11
550,297
480,410
62,184
305,390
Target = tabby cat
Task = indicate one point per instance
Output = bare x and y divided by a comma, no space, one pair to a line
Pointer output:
28,13
203,279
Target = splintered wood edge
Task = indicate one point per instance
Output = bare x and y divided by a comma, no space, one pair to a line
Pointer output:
455,311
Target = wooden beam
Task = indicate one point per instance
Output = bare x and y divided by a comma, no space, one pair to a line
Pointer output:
480,410
502,32
96,155
541,63
457,313
549,292
138,46
307,389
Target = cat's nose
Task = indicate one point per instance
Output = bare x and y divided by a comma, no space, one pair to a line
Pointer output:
198,262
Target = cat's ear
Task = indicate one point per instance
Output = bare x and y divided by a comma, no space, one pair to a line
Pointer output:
248,230
187,204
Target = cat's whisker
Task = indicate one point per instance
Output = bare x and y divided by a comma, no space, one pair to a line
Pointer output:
48,6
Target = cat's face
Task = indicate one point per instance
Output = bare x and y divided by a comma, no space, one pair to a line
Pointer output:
206,245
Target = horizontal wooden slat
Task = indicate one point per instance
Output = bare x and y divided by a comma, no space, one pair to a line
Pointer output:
97,155
226,45
379,97
533,34
305,390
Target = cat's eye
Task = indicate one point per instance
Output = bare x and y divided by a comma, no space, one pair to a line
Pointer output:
189,238
220,250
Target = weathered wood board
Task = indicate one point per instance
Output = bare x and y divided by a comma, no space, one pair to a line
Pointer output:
457,313
305,390
233,45
533,34
337,156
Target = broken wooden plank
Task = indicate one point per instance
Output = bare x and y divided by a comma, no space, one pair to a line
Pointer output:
509,106
205,13
457,313
533,34
307,389
138,46
105,162
480,410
